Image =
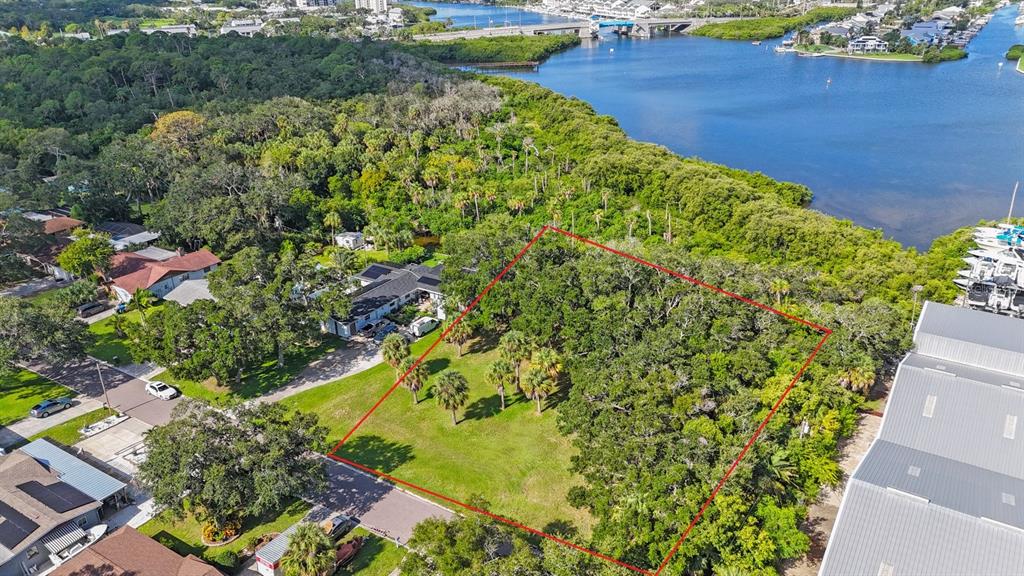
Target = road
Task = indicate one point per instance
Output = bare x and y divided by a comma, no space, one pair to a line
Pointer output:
380,506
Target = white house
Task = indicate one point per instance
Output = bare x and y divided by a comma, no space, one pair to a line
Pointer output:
867,45
350,240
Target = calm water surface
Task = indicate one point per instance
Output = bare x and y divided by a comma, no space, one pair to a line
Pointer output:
914,149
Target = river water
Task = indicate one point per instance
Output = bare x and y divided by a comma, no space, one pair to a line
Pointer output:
914,149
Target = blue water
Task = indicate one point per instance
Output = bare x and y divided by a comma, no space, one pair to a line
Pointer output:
481,16
914,149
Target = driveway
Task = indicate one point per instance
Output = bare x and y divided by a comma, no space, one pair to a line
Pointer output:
28,427
31,287
380,506
116,445
127,394
351,358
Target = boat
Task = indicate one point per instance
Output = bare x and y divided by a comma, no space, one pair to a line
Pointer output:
756,42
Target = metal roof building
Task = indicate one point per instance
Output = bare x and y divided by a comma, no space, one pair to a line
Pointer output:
72,471
941,490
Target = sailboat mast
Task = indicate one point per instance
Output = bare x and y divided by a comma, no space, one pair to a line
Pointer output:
1012,200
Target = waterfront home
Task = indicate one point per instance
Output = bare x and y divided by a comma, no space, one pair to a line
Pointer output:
867,45
49,499
930,32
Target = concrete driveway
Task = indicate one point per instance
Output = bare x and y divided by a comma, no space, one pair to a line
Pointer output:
380,506
114,444
350,358
28,427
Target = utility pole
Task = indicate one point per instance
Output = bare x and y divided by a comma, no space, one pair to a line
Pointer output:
103,386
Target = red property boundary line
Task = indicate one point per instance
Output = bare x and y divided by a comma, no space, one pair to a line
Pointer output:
826,333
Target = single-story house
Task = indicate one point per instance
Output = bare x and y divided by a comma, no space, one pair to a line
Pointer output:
189,291
350,240
128,552
387,288
62,225
132,270
247,28
126,234
44,256
189,30
48,501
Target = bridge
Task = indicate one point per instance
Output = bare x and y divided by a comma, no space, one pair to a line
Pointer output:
636,27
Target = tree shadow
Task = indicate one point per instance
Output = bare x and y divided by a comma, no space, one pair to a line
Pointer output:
560,395
484,341
177,544
436,365
377,453
563,529
483,408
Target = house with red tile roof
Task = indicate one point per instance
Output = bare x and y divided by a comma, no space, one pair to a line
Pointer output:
130,271
61,225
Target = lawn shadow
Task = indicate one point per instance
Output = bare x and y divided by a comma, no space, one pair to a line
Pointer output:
177,544
483,408
560,395
563,529
483,342
372,547
377,453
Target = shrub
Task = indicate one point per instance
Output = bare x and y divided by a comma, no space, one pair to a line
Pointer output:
228,531
1015,52
226,558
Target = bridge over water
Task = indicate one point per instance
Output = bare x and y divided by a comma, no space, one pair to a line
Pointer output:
637,27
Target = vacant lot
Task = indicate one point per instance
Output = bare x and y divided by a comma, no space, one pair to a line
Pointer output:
515,459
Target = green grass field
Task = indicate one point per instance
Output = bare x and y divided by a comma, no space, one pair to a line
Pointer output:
22,390
67,433
108,344
267,378
184,535
377,557
514,459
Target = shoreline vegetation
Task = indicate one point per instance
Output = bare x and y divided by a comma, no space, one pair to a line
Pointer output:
492,52
771,27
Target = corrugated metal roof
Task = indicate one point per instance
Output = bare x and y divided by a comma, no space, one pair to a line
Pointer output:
941,490
73,471
276,548
62,536
878,526
970,337
968,418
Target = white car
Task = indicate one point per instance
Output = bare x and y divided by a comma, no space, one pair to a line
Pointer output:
161,390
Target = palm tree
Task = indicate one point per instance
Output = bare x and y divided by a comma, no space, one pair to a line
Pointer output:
452,391
344,259
310,551
548,361
515,347
332,220
142,300
458,333
780,288
394,349
415,376
538,386
857,379
500,376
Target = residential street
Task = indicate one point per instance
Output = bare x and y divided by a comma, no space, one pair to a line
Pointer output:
379,506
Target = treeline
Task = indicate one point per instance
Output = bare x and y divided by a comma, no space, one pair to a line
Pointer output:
59,13
490,50
771,27
382,143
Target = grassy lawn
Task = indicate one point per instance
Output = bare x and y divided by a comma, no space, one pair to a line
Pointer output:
184,535
267,378
515,459
23,390
44,298
156,22
67,433
108,343
377,557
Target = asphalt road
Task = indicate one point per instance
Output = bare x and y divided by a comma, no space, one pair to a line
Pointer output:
379,506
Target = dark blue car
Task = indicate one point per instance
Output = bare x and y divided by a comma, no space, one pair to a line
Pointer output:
51,406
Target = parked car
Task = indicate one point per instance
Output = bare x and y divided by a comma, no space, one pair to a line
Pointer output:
338,526
384,331
347,552
161,390
90,309
51,406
